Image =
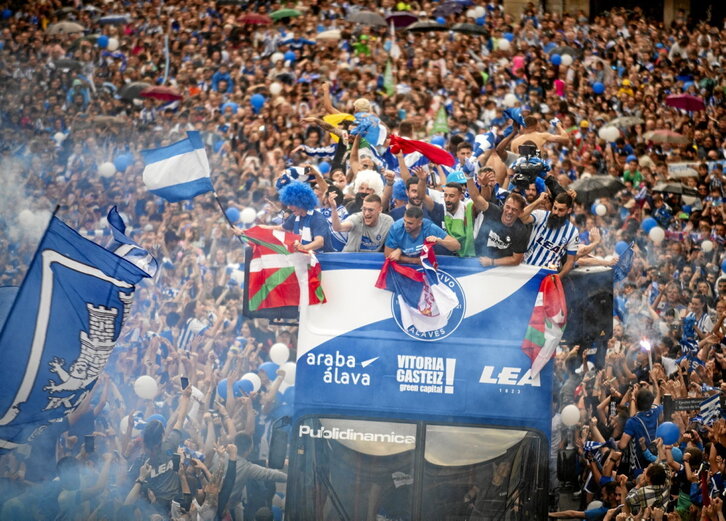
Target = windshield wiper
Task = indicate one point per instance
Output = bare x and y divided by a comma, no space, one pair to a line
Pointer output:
334,499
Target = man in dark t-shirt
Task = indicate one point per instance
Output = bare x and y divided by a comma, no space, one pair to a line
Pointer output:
502,238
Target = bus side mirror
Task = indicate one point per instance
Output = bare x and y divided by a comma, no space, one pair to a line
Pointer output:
278,443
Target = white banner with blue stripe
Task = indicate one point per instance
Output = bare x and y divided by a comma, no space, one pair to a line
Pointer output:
60,331
179,171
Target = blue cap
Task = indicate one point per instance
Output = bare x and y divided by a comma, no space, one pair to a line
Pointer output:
630,158
457,176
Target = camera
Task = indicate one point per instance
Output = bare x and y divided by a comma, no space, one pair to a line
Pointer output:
528,167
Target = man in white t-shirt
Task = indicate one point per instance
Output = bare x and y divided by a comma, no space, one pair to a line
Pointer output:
367,229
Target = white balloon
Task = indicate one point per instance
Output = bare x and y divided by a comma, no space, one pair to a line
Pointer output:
145,387
256,382
112,44
279,353
275,88
707,246
570,415
510,100
289,368
504,44
478,12
106,169
59,137
276,57
656,234
248,215
609,134
601,209
566,60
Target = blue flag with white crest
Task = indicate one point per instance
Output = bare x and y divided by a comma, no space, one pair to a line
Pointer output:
60,331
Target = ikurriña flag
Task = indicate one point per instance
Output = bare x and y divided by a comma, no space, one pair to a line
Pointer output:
547,323
60,331
280,275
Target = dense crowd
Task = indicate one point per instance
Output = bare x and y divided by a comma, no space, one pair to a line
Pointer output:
270,97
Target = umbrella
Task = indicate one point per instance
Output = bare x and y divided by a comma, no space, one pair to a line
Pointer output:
563,49
63,11
448,8
401,19
366,18
665,136
109,120
332,35
132,90
674,188
685,102
67,63
284,13
114,19
470,29
626,122
255,19
161,93
685,172
426,27
65,28
594,187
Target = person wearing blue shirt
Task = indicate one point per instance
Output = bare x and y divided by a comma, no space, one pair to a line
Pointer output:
306,221
643,424
406,237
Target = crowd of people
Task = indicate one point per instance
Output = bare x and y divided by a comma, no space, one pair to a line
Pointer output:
290,109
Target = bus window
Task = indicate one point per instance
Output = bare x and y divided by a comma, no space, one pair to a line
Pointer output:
481,474
353,470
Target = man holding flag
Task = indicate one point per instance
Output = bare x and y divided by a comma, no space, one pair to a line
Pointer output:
407,236
305,220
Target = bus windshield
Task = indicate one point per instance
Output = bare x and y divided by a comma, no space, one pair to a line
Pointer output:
390,470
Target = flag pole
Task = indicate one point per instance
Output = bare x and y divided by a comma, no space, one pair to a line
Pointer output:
231,224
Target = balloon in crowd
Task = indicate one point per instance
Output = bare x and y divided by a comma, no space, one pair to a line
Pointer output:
656,234
106,169
248,215
279,353
146,387
570,415
668,432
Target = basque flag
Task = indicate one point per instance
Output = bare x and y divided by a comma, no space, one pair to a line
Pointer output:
179,171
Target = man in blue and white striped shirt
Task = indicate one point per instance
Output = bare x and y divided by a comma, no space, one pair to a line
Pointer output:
553,236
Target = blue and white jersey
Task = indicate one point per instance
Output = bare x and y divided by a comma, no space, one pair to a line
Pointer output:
703,323
547,246
339,239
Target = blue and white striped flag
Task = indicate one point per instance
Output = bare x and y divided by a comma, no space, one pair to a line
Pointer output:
179,171
125,247
710,409
484,142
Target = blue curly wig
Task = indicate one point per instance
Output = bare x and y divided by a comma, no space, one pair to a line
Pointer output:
399,190
298,194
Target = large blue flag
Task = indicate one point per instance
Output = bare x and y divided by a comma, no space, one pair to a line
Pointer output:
60,331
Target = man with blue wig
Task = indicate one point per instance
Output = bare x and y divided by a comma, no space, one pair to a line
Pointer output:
305,220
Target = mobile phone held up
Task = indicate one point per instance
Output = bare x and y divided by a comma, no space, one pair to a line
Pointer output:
184,382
